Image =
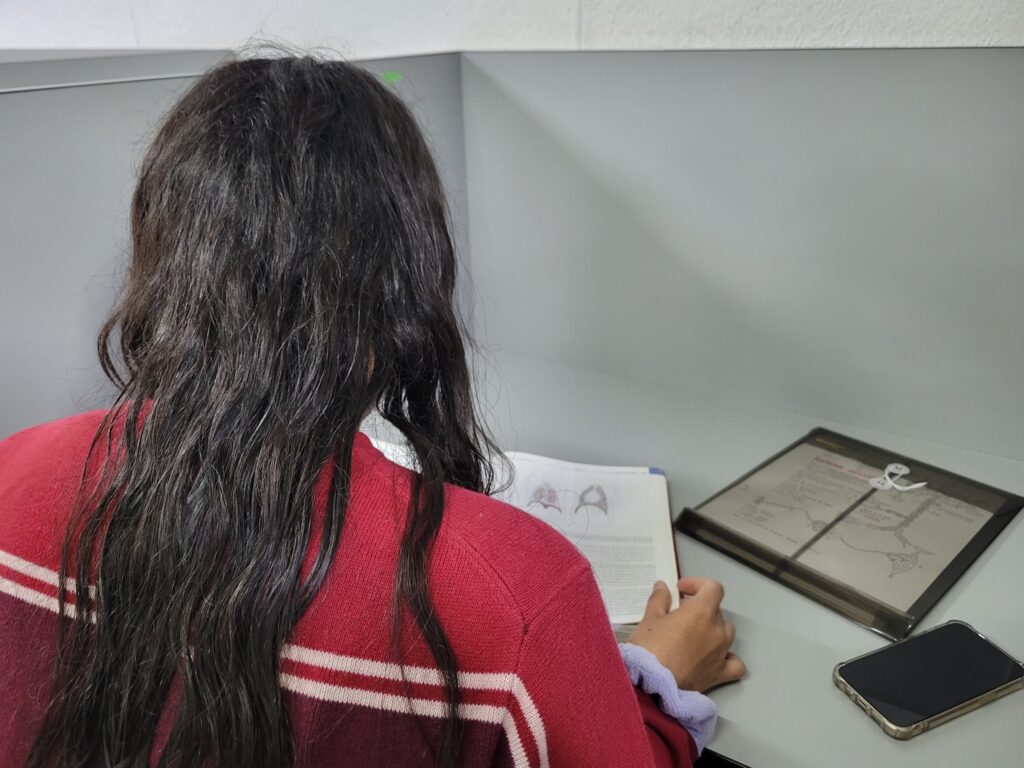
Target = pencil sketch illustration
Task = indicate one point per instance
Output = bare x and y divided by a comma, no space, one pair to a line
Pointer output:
593,496
819,508
895,544
901,558
815,523
577,507
904,558
546,496
899,562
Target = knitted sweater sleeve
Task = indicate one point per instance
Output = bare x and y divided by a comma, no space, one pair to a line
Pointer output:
588,710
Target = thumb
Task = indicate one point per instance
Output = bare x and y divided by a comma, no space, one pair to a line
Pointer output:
659,603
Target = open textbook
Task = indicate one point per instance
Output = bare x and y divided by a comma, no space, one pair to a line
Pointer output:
617,517
828,517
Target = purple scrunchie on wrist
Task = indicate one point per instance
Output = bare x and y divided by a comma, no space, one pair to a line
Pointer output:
694,711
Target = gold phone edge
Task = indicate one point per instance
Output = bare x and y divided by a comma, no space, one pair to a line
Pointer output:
904,732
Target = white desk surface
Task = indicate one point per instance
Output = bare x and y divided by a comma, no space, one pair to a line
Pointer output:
786,713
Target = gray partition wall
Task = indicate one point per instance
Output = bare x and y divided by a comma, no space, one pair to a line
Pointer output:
831,233
807,236
72,130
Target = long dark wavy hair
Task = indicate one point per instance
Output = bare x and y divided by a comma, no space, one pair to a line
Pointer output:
292,269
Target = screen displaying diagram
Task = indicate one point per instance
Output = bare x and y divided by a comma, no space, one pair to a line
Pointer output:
893,546
828,517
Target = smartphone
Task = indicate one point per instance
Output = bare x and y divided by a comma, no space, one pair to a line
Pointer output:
926,680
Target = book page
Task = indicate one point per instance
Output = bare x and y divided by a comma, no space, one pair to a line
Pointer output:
895,544
784,504
618,517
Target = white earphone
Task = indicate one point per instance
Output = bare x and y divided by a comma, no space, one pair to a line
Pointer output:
888,480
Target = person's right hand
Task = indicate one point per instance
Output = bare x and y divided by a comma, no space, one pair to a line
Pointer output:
693,641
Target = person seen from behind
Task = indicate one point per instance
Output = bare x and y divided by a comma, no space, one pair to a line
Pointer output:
221,570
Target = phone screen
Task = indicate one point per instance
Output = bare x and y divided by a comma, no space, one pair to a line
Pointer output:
924,676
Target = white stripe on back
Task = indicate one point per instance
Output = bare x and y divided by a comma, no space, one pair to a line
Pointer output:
492,681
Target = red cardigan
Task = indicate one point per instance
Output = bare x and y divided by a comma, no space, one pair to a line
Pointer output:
540,674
